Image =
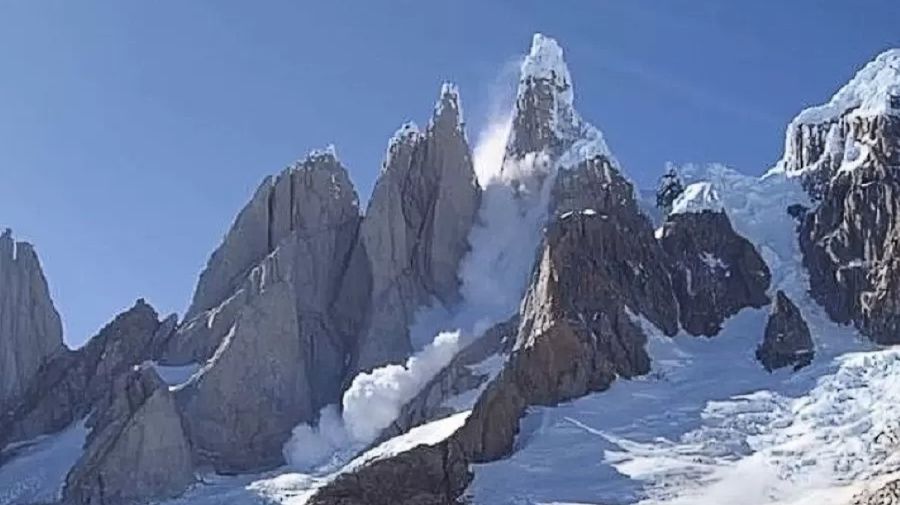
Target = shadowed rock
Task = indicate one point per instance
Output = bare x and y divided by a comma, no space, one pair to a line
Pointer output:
787,341
715,271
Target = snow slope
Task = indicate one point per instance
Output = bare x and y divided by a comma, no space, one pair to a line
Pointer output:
38,468
709,425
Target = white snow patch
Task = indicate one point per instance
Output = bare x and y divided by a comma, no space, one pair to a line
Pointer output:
176,375
713,262
427,434
868,93
37,469
545,61
698,197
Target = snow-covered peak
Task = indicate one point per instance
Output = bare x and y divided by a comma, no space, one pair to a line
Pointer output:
318,154
545,61
698,197
875,90
821,138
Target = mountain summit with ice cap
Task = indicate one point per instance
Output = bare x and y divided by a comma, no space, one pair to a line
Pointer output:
545,119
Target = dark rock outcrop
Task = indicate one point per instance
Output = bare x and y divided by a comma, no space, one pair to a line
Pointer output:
887,494
68,386
715,271
415,231
424,475
847,239
787,341
30,328
846,153
137,449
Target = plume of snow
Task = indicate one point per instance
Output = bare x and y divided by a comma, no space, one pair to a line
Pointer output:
374,399
493,278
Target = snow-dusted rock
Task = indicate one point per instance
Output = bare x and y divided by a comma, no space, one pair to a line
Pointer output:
415,230
787,341
137,449
715,271
846,152
30,328
697,197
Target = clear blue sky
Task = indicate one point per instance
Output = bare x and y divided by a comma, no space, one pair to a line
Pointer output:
131,132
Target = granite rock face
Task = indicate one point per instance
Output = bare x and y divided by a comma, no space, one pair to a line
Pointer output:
262,322
70,385
715,271
787,341
30,328
310,208
137,449
576,334
241,407
415,231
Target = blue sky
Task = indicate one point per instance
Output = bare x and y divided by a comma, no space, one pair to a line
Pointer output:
132,132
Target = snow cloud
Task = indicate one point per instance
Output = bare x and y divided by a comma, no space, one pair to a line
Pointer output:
493,277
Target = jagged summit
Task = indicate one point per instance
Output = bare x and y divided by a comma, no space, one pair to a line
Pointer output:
829,139
545,119
323,157
545,61
449,102
874,90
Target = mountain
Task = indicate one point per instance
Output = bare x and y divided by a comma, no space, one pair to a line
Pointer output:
507,331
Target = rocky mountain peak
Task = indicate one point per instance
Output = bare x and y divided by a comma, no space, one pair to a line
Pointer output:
306,198
836,137
30,327
448,108
545,63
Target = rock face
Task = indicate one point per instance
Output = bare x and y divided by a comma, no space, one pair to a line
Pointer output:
30,328
416,229
787,341
262,318
68,386
715,271
425,475
576,335
241,408
846,153
137,449
599,264
847,237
